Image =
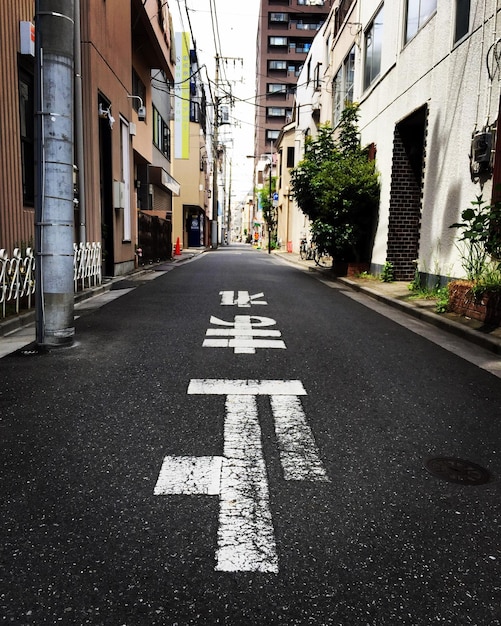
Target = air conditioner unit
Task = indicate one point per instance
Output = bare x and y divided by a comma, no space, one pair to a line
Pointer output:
481,147
118,194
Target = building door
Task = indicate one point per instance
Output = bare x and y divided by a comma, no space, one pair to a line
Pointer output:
405,194
106,193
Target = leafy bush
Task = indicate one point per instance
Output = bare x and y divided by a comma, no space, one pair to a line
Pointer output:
337,187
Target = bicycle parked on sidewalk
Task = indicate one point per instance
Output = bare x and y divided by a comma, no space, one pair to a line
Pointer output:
312,252
306,250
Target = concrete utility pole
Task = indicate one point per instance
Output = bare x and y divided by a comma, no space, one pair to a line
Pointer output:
214,225
54,227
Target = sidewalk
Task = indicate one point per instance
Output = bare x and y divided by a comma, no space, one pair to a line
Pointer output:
18,331
397,294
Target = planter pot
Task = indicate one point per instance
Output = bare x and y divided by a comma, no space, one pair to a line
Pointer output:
485,308
354,269
349,268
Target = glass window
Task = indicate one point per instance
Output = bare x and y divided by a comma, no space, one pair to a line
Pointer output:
275,112
138,89
272,135
278,41
161,134
276,88
337,101
277,65
462,25
418,13
373,48
343,85
279,17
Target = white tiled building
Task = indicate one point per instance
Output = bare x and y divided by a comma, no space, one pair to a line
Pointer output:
426,75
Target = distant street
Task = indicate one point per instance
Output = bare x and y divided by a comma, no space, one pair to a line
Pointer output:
236,442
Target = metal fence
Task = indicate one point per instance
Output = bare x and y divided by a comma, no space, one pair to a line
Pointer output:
17,275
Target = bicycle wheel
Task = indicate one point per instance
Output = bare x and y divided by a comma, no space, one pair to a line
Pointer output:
322,259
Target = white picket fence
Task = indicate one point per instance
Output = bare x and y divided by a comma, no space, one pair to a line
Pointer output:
17,273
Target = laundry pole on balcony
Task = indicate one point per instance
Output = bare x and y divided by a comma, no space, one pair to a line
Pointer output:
54,220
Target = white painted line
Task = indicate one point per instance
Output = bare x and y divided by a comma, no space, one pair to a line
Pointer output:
244,346
241,332
299,454
244,329
246,539
243,299
248,387
189,475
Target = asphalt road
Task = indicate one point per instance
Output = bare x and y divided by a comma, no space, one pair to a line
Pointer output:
235,442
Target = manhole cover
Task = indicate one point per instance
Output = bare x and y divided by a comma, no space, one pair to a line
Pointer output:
457,471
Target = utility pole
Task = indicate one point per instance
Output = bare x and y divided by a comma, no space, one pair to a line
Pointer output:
214,225
54,220
217,123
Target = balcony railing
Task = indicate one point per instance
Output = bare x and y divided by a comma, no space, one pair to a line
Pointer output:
17,275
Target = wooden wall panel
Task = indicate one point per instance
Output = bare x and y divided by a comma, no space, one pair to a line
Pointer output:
16,220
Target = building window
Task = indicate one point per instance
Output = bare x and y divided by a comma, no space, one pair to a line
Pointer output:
279,17
27,128
317,81
462,25
275,112
278,41
138,89
161,134
272,135
373,47
290,156
418,13
277,88
342,86
277,65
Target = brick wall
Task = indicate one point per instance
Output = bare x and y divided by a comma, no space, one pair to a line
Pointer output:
405,196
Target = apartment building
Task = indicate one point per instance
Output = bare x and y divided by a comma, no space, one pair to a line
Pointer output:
192,150
427,79
122,146
286,29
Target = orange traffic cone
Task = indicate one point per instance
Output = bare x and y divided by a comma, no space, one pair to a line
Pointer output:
178,247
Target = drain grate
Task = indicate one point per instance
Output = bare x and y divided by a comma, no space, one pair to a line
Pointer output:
457,471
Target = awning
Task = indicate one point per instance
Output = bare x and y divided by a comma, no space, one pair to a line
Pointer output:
158,176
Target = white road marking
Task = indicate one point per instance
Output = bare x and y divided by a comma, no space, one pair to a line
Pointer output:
242,333
189,475
249,387
246,540
243,299
299,454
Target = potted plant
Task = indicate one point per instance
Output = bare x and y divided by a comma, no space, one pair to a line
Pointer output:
479,295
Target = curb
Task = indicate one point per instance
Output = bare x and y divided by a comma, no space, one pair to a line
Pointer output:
473,336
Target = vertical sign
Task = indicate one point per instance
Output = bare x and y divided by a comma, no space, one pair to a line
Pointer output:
182,91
